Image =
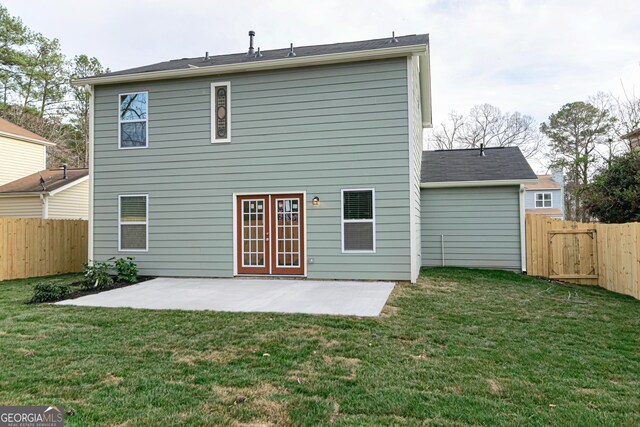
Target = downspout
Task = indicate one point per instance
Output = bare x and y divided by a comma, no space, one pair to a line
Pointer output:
442,247
523,242
90,142
45,205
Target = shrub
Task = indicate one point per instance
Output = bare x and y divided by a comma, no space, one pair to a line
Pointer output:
127,270
97,276
44,292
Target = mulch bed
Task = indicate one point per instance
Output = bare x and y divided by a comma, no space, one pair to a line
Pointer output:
116,285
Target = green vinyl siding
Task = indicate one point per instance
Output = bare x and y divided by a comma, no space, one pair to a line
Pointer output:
314,129
480,225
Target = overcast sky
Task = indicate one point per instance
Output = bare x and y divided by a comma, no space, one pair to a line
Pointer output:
529,56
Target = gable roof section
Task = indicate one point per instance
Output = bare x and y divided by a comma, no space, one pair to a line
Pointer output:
305,56
504,165
213,64
12,130
545,182
53,180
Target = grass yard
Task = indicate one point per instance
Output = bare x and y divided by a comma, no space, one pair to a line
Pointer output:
461,347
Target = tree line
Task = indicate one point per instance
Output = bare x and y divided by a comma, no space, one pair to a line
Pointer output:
584,139
36,91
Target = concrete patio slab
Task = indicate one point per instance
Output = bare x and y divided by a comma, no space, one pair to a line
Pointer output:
247,295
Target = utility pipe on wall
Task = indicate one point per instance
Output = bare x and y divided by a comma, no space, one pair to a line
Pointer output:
442,247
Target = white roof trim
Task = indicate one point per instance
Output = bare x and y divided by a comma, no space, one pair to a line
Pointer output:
69,185
332,58
25,138
22,194
486,183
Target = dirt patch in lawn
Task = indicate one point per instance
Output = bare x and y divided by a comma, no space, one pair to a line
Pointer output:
192,358
264,399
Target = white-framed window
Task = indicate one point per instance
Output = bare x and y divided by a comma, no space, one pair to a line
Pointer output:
220,112
133,222
544,200
133,110
358,220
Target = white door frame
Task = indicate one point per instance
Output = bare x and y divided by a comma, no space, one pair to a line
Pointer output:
267,193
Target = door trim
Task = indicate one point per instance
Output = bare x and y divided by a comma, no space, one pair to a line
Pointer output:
234,198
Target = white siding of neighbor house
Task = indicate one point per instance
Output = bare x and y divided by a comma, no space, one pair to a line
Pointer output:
480,225
19,159
315,129
72,203
21,206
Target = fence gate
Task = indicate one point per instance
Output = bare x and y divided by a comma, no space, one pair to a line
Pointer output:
573,254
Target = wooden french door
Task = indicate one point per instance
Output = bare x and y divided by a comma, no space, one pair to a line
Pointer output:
270,234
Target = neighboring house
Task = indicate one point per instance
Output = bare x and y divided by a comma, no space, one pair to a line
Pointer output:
28,189
301,161
473,208
546,197
21,152
634,139
48,194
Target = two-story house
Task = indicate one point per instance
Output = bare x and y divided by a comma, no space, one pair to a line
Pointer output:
546,197
303,161
28,189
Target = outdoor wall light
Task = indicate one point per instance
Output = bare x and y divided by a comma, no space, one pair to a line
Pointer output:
316,201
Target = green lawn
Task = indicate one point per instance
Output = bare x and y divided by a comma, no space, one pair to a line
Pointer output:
461,347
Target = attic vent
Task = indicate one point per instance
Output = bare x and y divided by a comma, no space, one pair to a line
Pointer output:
482,150
259,54
291,53
393,37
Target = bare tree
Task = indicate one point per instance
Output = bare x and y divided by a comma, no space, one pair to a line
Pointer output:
444,137
487,124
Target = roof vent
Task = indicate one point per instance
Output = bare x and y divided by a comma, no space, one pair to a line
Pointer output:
393,37
251,35
291,53
259,54
482,150
206,56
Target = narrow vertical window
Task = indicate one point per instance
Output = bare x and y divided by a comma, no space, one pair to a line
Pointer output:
358,221
220,112
133,224
132,120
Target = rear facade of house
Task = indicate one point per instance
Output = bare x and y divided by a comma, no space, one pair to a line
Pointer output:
308,168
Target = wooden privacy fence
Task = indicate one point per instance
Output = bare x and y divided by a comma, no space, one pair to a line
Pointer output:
31,247
607,255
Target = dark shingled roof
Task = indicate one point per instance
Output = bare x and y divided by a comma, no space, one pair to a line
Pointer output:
300,51
53,179
505,163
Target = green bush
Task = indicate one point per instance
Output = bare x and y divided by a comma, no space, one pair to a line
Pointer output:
97,276
44,292
127,270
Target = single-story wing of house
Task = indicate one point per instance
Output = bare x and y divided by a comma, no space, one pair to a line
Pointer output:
472,208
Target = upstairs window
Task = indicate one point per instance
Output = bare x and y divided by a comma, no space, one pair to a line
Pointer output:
543,200
133,223
358,221
220,112
132,120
